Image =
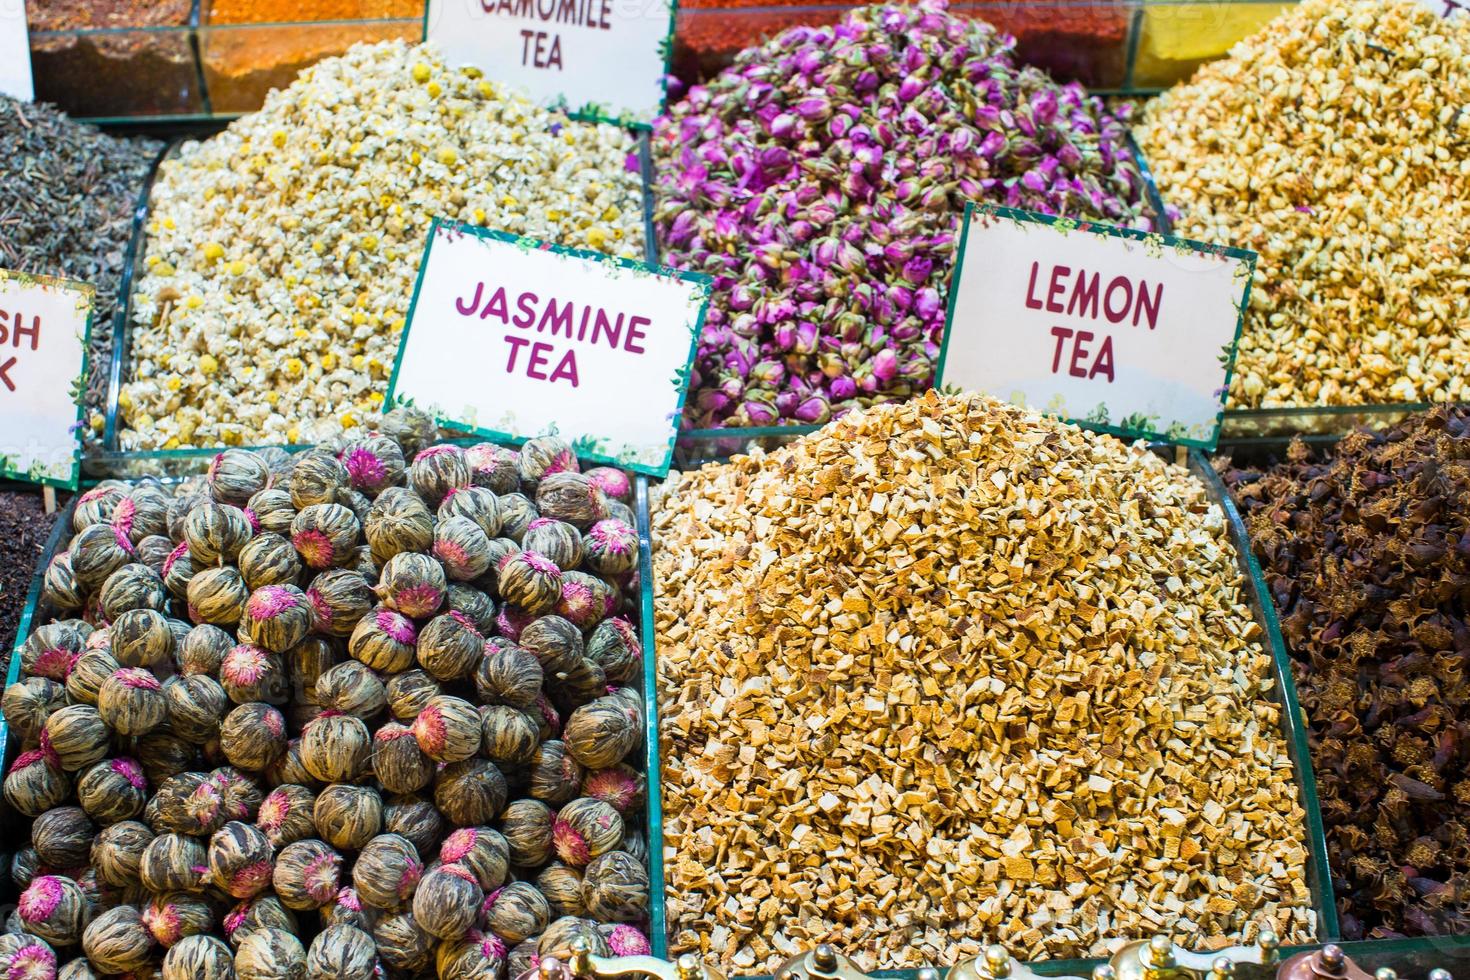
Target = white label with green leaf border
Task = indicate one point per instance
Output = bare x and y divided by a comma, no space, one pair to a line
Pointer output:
1126,331
602,59
45,328
511,338
15,53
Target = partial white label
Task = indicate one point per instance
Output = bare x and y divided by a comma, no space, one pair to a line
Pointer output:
598,57
1103,325
43,368
15,51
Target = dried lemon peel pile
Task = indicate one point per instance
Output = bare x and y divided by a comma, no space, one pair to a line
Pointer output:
948,673
1335,144
282,253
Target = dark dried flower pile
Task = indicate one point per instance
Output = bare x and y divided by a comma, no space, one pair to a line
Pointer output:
332,715
1367,555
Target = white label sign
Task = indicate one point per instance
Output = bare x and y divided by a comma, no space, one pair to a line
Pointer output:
511,338
603,58
1445,8
45,325
1123,330
15,52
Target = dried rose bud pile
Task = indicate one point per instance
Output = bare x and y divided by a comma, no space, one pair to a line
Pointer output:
282,252
821,181
1367,555
1334,143
947,673
387,688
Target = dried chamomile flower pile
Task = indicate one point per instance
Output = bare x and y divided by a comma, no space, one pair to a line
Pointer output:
328,715
1335,143
821,181
1367,555
947,673
282,252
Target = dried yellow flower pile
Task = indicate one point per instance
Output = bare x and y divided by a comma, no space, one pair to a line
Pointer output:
948,672
1336,143
282,253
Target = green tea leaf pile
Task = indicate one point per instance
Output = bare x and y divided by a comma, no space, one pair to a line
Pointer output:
366,709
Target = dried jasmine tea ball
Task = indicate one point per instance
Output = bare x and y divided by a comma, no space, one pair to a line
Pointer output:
352,688
253,736
254,914
611,547
288,769
489,582
347,817
273,511
186,803
307,875
117,852
474,608
409,691
558,938
163,754
285,814
484,852
60,588
153,551
113,790
36,783
204,649
325,535
387,871
635,844
556,777
199,958
340,598
529,581
253,673
518,912
141,638
516,514
240,859
373,463
585,599
134,586
571,497
413,584
178,571
55,909
335,748
615,888
131,702
402,945
585,829
476,504
217,596
79,737
555,643
462,548
470,793
449,648
317,478
269,559
562,886
174,862
96,552
398,521
493,467
447,901
347,909
437,472
509,735
556,540
78,969
614,646
116,941
602,732
547,716
309,659
239,796
448,729
476,956
270,954
625,940
507,674
25,956
215,534
277,617
343,952
526,825
27,704
52,650
412,428
545,456
196,705
174,916
143,512
523,958
25,864
614,483
384,640
620,786
236,475
414,819
398,762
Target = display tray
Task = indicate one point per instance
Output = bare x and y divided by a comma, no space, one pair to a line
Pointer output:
716,445
15,829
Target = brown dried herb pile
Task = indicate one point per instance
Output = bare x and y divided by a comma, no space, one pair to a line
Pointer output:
947,673
1367,555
